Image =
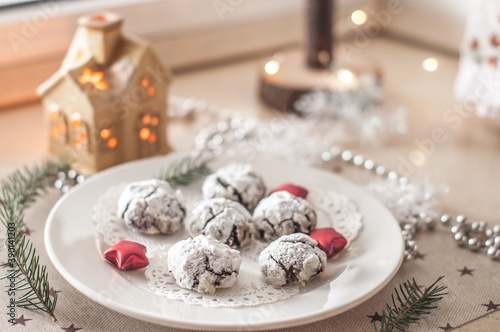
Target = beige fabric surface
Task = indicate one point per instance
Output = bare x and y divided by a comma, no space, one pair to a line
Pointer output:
440,256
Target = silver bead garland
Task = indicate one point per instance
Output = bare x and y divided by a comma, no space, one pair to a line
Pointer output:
216,138
475,236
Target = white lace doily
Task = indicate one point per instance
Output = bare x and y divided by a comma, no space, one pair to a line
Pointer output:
334,210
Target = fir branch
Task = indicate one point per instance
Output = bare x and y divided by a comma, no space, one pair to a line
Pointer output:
186,171
409,303
19,191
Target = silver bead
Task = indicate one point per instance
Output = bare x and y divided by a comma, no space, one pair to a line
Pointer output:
430,223
482,226
489,242
445,220
369,164
80,179
358,160
411,246
461,239
461,219
61,175
488,232
65,189
474,227
58,184
392,175
380,170
408,255
474,244
493,253
407,235
409,228
457,228
497,241
496,230
346,156
72,174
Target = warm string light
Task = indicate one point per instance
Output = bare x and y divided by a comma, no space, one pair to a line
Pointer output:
345,76
359,17
272,67
430,64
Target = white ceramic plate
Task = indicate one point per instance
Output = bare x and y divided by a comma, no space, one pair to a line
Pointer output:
369,264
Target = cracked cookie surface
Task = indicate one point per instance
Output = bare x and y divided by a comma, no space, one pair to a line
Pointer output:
227,221
151,207
203,264
292,259
281,214
237,182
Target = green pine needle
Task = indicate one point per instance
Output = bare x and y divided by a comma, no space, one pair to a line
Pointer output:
186,171
409,303
19,191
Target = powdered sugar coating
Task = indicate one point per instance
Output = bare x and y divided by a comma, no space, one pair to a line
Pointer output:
237,182
203,264
281,214
227,221
151,207
292,259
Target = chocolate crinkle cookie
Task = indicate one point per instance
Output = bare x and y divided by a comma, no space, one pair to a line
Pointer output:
204,264
227,221
281,214
151,207
292,259
237,182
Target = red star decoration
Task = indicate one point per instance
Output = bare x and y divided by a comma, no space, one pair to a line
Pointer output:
414,286
447,327
72,328
475,44
465,271
292,189
375,318
419,255
53,292
491,306
493,62
27,231
127,255
494,40
21,320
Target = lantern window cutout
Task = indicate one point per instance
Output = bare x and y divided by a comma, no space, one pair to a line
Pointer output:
108,138
148,132
96,79
79,133
149,88
58,125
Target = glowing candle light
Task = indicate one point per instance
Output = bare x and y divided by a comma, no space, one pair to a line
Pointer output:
430,64
359,17
272,67
345,76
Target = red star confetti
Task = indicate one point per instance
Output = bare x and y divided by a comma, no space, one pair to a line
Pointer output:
292,189
419,255
53,292
21,320
127,255
329,240
375,318
447,327
71,328
465,271
491,306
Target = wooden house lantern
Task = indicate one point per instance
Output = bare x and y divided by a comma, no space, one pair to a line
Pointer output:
107,103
